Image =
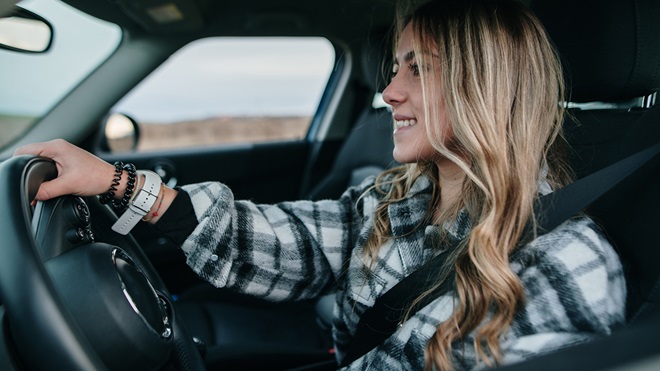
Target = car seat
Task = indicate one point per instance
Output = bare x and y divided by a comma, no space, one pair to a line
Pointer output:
611,55
615,62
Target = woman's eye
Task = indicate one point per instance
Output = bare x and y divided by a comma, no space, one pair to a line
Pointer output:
414,67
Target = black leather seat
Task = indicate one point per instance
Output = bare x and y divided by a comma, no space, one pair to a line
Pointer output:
612,54
611,50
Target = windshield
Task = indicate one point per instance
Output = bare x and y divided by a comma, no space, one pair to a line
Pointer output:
33,83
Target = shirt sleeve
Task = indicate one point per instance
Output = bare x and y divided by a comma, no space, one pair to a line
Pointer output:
575,291
179,221
288,251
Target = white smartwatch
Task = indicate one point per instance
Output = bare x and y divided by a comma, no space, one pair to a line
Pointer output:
141,204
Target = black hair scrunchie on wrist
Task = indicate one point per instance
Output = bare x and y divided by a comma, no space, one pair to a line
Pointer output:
110,194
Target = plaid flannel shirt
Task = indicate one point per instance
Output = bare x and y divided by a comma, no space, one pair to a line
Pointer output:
573,280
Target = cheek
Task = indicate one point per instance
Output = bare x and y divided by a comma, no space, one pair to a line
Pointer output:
423,147
441,133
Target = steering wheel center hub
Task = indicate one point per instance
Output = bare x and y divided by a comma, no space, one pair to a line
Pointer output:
151,308
126,321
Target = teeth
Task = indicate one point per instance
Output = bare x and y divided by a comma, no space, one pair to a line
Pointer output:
404,123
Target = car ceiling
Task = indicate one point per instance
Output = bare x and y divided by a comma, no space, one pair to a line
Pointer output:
342,19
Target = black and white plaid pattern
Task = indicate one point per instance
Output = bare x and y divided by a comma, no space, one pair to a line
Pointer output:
574,285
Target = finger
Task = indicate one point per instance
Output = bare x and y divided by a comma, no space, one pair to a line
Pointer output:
49,149
51,189
29,149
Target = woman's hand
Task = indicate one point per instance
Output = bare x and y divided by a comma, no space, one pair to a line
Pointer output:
78,171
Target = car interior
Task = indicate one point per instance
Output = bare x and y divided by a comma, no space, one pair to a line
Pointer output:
51,318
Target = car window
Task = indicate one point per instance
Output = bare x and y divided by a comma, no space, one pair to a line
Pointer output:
226,90
33,83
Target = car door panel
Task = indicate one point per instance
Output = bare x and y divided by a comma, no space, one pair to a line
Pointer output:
269,172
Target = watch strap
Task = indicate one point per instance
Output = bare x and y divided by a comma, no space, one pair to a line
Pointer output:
141,204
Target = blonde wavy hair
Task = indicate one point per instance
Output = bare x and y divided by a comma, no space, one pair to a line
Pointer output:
504,94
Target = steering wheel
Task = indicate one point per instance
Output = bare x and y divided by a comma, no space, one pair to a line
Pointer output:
70,301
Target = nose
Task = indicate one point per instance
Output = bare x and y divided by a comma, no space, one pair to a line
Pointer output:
393,94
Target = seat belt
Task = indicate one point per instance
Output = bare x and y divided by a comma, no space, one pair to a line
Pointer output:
381,320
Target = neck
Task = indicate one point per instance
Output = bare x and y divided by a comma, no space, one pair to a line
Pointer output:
450,178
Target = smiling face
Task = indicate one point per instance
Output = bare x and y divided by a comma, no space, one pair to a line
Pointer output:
404,94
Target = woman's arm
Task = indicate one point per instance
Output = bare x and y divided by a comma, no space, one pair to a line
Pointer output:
575,291
83,174
287,251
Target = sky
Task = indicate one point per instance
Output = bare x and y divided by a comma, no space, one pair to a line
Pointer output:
233,76
228,77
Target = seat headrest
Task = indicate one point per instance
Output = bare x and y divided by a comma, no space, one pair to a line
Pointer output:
610,48
375,54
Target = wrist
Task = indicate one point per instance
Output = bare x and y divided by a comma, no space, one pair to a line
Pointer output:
122,187
117,186
159,208
142,204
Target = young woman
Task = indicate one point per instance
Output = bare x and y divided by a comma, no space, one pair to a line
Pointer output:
476,96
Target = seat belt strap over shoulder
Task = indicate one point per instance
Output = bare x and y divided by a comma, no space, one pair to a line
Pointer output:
381,320
558,206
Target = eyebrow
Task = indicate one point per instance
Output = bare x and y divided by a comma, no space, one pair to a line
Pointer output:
407,57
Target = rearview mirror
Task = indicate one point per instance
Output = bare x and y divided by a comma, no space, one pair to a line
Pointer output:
24,31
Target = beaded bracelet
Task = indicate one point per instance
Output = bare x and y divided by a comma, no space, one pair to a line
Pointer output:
110,194
130,187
